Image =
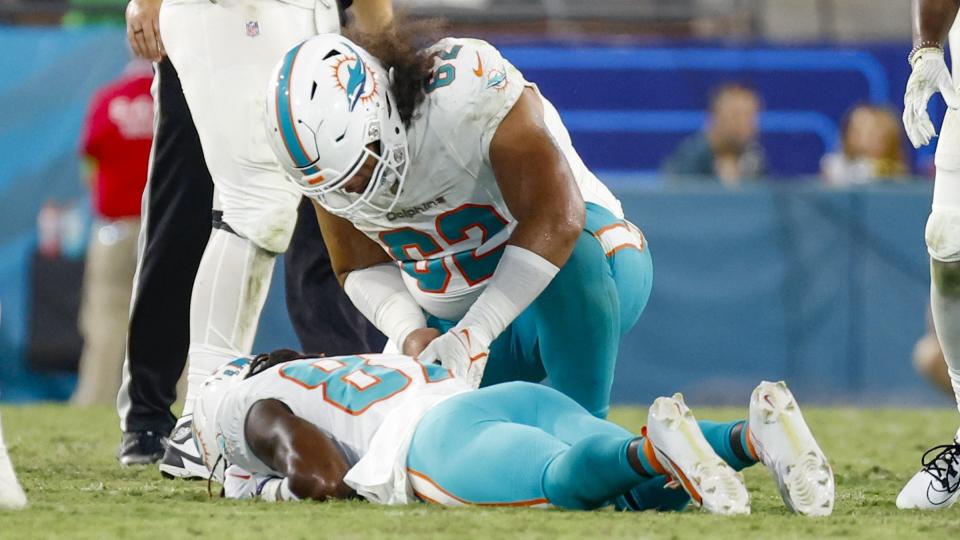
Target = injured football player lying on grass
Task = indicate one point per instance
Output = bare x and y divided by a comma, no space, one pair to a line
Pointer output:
285,426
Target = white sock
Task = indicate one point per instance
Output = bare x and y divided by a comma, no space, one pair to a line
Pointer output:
946,308
11,494
946,319
228,294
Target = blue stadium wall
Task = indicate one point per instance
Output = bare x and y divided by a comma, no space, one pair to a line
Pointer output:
824,288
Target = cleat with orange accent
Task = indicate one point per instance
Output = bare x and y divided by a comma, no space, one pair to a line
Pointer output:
690,461
783,442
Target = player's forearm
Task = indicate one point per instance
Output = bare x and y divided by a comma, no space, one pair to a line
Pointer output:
520,277
371,16
275,489
349,249
549,209
932,20
552,233
310,464
381,295
319,487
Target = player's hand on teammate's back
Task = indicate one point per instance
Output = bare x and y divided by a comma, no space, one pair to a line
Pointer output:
143,29
462,352
930,75
417,341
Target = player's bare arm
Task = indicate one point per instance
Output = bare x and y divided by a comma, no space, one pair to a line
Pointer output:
536,182
540,190
308,459
143,29
350,251
932,20
349,248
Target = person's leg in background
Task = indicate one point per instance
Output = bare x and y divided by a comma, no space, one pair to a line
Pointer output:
933,487
174,230
105,311
323,317
225,71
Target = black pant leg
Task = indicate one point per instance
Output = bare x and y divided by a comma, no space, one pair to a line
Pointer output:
322,314
179,196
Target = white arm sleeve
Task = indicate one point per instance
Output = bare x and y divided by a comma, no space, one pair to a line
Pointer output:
380,294
519,279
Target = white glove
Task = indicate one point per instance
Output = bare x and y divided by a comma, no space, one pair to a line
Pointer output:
240,484
463,351
930,75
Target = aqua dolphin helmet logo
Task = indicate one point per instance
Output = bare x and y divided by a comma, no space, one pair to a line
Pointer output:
357,81
353,76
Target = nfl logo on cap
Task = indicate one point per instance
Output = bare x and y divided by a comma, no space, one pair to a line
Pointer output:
253,28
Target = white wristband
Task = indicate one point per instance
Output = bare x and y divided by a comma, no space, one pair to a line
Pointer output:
275,490
519,279
381,295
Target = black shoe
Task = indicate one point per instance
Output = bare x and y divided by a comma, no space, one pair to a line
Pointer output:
182,459
141,447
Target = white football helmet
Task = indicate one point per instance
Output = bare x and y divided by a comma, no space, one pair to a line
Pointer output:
205,408
327,101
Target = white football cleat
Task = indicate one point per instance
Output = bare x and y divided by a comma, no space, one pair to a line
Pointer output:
182,458
783,442
682,450
937,484
12,496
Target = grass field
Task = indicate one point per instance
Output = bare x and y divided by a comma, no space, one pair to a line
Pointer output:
65,459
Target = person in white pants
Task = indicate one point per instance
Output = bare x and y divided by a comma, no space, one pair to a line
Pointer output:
223,53
936,485
12,496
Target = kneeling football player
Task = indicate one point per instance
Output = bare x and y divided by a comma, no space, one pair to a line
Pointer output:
459,217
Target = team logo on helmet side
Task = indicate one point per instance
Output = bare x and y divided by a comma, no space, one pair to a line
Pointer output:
352,76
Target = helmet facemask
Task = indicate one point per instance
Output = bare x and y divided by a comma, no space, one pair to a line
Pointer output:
386,182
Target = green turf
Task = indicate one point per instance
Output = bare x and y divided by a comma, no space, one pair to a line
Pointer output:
65,461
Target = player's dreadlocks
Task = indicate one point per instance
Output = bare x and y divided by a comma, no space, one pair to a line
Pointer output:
401,47
265,361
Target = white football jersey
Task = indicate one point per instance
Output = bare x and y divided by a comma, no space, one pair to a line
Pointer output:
954,42
369,405
450,224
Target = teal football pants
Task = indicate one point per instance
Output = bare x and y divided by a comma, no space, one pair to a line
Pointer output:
523,444
571,333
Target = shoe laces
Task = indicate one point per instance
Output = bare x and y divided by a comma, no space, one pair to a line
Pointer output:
943,466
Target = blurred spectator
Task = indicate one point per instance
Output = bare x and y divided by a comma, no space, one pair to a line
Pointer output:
116,145
872,148
727,149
